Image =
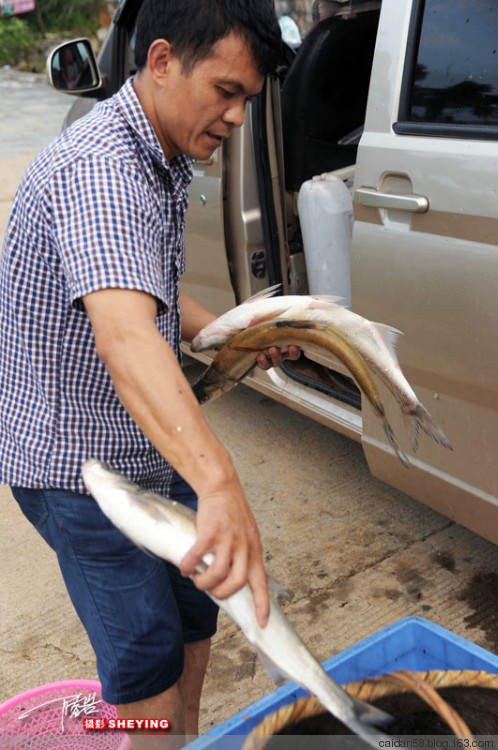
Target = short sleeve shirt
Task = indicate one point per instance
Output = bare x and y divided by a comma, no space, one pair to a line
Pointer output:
100,208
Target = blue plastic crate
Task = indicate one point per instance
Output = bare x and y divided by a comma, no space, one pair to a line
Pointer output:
411,643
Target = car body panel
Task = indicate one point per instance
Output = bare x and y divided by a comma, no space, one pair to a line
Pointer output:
433,275
207,278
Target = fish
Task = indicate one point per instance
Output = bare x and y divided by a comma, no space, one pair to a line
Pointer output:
261,306
374,342
167,529
238,357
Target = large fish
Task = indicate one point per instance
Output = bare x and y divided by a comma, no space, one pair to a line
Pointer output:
261,306
236,359
375,343
167,529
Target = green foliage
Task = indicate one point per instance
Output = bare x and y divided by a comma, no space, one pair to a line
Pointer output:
70,15
16,40
22,39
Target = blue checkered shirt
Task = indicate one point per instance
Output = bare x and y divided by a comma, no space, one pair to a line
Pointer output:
100,208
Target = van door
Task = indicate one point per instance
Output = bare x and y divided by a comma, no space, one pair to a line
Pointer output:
234,231
234,228
207,278
424,252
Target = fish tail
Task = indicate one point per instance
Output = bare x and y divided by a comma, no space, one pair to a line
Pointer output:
391,436
422,420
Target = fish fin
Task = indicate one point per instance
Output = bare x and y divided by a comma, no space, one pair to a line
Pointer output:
277,588
422,420
390,337
144,549
141,547
392,438
327,298
268,292
275,673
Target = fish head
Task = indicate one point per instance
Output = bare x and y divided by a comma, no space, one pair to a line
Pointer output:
213,336
107,486
97,476
154,523
209,388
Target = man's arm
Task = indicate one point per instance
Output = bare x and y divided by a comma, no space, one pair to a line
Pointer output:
152,388
194,317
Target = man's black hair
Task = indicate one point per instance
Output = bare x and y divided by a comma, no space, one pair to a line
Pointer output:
193,26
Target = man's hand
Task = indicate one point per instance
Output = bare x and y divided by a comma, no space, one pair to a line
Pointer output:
274,357
226,527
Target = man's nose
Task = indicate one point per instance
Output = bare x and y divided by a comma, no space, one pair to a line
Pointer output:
234,115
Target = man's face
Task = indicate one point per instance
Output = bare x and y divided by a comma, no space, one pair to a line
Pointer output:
194,112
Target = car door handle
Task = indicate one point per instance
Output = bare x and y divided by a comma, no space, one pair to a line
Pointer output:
374,199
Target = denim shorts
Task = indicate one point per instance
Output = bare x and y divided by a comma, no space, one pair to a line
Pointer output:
138,610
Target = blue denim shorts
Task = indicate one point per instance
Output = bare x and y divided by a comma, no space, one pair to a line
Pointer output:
138,610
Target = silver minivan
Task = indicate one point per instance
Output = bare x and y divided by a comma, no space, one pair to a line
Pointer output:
366,169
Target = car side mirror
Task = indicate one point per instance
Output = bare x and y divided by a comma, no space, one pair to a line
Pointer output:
72,68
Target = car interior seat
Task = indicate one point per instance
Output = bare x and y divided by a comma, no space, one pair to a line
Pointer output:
324,96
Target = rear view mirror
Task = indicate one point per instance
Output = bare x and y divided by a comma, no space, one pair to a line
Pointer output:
72,68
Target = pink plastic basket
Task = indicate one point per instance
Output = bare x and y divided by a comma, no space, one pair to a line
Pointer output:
50,717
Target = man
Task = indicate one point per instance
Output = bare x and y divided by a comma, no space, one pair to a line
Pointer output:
91,321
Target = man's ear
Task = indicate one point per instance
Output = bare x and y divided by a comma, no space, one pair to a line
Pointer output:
159,56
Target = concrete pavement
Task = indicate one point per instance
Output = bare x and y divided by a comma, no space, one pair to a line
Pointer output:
31,116
356,554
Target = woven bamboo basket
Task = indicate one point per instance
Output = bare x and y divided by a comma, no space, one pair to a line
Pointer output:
297,718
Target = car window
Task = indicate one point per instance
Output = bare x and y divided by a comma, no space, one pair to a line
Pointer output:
294,16
452,76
